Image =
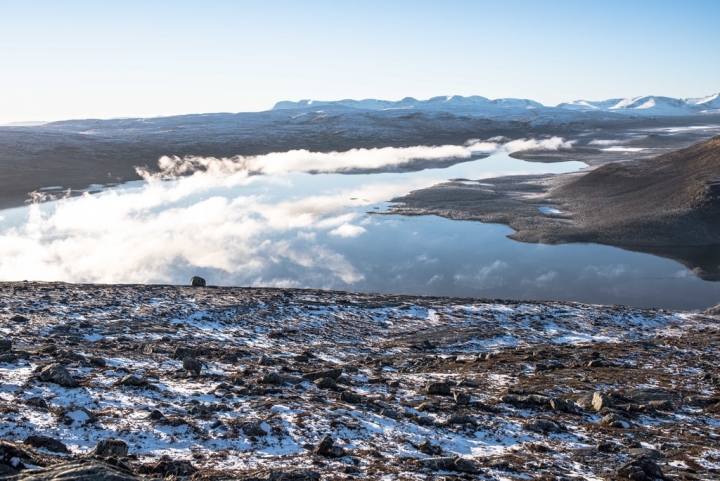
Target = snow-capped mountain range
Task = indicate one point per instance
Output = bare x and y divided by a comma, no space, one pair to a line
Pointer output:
648,105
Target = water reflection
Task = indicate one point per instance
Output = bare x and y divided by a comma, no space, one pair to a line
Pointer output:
302,230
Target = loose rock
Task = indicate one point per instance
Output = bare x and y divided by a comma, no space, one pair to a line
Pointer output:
57,374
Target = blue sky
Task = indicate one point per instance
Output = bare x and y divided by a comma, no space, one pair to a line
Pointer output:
74,59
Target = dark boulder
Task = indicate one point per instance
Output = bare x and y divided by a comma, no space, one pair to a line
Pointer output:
46,442
57,374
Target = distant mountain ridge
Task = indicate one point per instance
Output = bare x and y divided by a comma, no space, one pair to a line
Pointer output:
646,105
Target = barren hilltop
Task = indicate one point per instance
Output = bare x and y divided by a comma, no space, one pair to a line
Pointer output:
129,382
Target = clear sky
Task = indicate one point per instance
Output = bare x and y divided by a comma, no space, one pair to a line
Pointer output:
82,59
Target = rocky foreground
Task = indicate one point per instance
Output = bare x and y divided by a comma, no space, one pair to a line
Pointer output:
130,382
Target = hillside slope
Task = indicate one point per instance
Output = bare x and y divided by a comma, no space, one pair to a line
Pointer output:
672,199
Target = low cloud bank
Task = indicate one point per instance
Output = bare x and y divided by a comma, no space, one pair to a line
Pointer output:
326,162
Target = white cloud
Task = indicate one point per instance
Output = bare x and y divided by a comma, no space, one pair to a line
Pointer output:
347,230
547,277
608,271
306,161
435,278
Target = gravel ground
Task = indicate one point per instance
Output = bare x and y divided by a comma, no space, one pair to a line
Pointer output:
240,383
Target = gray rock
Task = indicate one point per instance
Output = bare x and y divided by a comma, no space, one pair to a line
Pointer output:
426,447
438,388
543,426
600,401
5,345
111,447
191,364
172,468
46,442
266,361
181,352
333,374
156,415
561,405
640,469
448,463
391,413
456,419
37,402
197,281
78,470
325,383
279,475
131,380
614,420
271,378
57,374
350,397
254,428
97,362
327,448
461,398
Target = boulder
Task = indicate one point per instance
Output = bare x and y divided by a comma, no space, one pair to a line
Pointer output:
325,383
173,468
57,374
615,421
543,426
46,442
459,419
5,345
79,470
461,398
640,469
197,281
600,401
97,362
333,374
350,397
271,378
280,475
426,447
448,463
191,364
327,448
182,352
438,388
131,380
111,447
255,428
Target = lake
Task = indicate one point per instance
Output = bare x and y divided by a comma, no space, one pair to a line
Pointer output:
296,229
